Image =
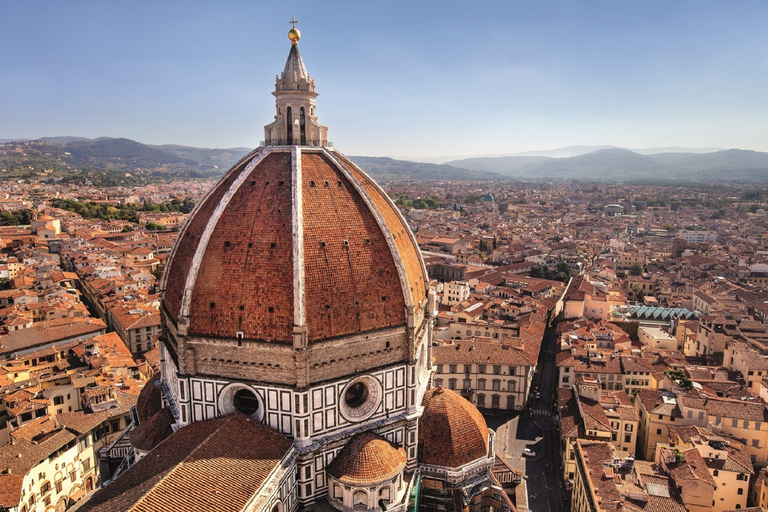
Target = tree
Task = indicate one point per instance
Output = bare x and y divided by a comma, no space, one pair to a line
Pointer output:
127,229
636,270
638,293
5,284
483,247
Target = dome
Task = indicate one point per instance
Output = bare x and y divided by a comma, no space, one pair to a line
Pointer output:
452,432
150,400
293,238
367,459
153,430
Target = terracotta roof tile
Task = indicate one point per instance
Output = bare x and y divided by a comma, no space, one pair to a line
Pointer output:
367,459
452,432
214,465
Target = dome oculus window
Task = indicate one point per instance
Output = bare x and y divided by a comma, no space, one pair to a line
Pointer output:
238,397
245,401
360,399
356,395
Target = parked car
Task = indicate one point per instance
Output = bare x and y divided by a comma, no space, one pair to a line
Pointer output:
529,453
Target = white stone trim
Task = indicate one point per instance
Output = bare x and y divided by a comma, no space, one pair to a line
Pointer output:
208,232
198,205
394,251
299,301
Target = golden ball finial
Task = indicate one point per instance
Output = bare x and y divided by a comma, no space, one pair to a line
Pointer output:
294,35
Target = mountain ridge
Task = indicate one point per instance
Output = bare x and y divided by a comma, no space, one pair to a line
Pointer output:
120,155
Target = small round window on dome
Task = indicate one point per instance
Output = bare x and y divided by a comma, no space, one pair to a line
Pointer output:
356,395
245,401
361,398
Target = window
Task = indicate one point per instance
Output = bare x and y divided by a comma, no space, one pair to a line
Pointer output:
740,491
481,368
566,379
512,386
701,415
628,438
453,368
496,385
512,370
481,384
481,400
496,369
658,431
746,424
734,423
451,383
438,383
45,487
58,400
59,486
86,465
495,401
628,427
439,369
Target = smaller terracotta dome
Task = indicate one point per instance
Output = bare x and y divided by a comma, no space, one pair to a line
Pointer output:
153,430
150,399
367,459
452,432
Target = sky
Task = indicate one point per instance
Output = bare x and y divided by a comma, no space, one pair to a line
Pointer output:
396,78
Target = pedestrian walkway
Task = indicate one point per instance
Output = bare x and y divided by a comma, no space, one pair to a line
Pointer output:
540,412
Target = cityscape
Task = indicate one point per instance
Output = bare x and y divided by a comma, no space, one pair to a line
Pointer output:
285,328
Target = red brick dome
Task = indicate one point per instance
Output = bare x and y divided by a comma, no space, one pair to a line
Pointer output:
293,238
452,432
367,459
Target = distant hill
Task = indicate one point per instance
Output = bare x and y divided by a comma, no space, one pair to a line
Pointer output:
217,158
120,153
388,168
505,165
623,165
110,161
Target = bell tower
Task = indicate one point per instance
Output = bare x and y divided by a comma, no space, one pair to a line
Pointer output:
295,119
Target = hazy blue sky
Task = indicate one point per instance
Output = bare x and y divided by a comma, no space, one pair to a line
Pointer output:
395,78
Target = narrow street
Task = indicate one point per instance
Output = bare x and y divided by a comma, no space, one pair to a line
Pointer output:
537,429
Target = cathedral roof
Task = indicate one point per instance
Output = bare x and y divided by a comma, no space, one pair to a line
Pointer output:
293,238
213,465
153,430
452,432
367,459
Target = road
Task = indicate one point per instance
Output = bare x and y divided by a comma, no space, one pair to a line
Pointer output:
537,428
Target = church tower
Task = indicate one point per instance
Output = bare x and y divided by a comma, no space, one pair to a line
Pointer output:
295,118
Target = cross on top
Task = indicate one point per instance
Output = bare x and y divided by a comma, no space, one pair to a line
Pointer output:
293,21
